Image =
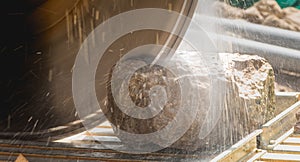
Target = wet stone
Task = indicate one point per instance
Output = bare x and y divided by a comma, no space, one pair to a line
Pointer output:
233,101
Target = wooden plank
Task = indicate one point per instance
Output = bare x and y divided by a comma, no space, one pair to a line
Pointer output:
102,139
279,140
100,132
279,125
93,139
8,156
292,141
258,154
106,124
287,149
241,149
295,135
280,157
88,152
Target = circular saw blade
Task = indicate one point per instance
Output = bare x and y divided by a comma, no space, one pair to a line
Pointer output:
38,55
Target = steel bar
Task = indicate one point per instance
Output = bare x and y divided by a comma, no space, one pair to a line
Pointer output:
279,57
251,31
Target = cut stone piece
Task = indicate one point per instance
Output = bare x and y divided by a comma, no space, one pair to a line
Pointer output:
242,100
250,100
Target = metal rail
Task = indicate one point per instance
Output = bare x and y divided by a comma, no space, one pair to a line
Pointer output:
255,32
280,47
279,57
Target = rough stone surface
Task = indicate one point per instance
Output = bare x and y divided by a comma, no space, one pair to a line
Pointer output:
248,101
266,12
253,77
